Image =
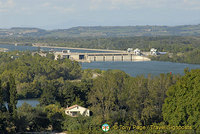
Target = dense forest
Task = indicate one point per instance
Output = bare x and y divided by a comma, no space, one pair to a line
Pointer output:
165,43
112,96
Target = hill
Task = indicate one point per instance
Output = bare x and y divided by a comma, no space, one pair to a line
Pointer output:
105,31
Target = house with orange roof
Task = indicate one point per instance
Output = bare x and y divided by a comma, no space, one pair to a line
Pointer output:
76,110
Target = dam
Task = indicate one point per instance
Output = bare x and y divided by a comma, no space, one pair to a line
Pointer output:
90,57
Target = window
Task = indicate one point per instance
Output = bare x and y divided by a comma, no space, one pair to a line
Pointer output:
75,113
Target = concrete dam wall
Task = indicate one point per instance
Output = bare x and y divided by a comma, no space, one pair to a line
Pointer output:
90,57
118,58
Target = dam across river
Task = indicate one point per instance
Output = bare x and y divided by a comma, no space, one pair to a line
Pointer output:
90,57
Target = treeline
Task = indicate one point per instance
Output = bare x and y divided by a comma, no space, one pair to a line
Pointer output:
112,96
191,57
162,43
34,73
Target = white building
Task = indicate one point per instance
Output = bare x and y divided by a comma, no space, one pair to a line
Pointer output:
137,51
75,110
65,51
129,50
153,51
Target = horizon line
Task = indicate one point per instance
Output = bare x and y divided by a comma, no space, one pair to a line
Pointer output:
31,27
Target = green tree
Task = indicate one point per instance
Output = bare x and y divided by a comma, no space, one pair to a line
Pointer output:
11,89
136,99
55,115
79,125
3,113
2,105
182,105
105,97
31,119
48,96
8,118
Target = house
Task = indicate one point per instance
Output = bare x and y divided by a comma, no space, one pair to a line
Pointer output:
75,110
129,50
153,51
65,51
137,51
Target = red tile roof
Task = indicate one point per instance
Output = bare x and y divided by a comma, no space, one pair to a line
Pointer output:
71,107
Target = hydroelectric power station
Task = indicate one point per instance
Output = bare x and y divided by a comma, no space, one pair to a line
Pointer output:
90,57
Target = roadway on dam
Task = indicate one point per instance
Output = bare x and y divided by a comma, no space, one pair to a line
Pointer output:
89,49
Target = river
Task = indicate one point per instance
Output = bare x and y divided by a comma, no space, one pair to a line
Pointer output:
142,68
32,102
131,68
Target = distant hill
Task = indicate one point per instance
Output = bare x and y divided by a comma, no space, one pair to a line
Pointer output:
105,31
22,32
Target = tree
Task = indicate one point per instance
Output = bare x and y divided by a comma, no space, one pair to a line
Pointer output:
3,113
2,105
55,115
67,94
136,100
105,96
8,118
79,125
31,119
182,104
11,89
157,87
48,95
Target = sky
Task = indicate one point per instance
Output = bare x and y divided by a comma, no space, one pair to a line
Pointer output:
62,14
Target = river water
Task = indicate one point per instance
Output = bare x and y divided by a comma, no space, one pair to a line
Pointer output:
32,102
142,68
131,68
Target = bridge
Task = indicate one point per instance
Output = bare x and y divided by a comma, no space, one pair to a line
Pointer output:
90,57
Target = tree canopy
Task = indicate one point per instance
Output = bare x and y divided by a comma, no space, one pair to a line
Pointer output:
112,96
182,105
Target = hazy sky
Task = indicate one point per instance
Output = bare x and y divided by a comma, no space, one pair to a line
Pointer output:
52,14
